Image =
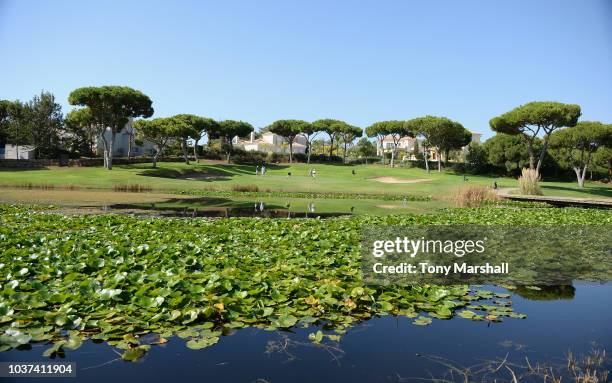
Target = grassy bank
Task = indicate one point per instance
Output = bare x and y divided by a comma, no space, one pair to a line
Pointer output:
330,179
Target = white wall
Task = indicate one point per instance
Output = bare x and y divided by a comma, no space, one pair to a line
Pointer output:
21,152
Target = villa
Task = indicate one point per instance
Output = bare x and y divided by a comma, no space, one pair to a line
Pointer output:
405,146
270,142
16,152
122,142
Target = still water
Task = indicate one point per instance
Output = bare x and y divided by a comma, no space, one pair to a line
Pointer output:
386,349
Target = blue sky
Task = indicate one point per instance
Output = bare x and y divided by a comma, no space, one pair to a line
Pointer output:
360,61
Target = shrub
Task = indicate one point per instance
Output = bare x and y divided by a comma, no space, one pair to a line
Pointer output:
473,196
529,182
245,188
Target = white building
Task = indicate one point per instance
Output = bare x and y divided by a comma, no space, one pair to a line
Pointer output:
270,142
17,152
405,146
122,142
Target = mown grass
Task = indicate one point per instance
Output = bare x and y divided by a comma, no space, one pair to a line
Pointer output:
330,178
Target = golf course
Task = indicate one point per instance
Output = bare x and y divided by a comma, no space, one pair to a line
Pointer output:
306,191
367,189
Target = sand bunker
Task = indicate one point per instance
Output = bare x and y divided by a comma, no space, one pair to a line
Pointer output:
393,180
390,206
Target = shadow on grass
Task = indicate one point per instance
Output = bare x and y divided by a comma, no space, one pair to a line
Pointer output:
17,169
602,191
200,174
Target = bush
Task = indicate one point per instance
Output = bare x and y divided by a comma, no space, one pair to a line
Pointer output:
529,182
365,160
473,196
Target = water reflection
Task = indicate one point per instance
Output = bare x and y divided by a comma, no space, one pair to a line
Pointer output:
386,349
258,209
546,293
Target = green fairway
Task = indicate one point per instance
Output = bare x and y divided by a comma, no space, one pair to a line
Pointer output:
329,179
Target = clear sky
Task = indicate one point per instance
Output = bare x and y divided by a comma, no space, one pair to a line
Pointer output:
359,61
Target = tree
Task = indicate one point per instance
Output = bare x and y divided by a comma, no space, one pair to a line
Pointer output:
37,122
81,130
348,133
309,132
289,130
535,117
476,157
189,126
576,145
603,158
332,128
507,151
440,133
379,131
229,129
16,124
455,142
159,131
395,129
204,127
6,108
111,108
365,148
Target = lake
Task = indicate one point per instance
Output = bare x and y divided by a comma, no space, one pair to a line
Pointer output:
574,319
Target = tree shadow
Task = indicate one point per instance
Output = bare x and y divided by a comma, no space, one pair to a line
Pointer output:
19,169
199,174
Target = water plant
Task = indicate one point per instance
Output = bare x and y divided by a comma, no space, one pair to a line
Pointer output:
121,279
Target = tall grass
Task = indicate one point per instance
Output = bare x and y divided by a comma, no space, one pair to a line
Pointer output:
473,196
34,186
529,182
133,188
245,188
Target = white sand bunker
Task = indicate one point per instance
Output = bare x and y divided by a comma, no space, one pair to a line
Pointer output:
393,180
391,206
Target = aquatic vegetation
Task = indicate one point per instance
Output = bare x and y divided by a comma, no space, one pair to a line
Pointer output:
135,282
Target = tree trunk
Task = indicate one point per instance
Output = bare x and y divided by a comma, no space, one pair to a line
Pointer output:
393,156
382,152
195,150
542,153
426,159
290,152
184,148
130,143
105,150
308,155
531,155
109,161
331,146
579,176
156,157
230,147
344,153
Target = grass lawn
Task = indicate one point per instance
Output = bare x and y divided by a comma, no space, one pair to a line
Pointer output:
92,186
330,179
